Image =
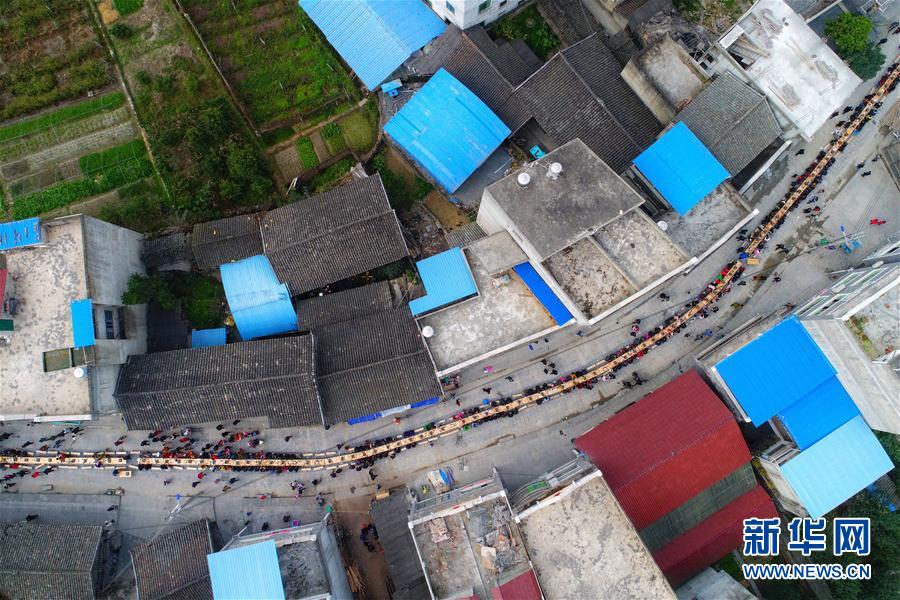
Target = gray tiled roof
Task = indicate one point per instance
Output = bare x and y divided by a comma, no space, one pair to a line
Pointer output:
226,240
354,303
173,565
48,561
372,363
272,378
502,55
167,250
333,235
391,518
579,93
732,120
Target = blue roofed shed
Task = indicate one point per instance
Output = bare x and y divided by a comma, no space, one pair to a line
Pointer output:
447,130
18,234
836,467
543,293
681,168
204,338
246,573
374,37
447,279
259,303
83,323
777,369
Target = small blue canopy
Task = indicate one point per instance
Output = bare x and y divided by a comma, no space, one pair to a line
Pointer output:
83,323
446,277
543,293
374,37
837,467
447,130
204,338
246,573
775,370
681,168
259,303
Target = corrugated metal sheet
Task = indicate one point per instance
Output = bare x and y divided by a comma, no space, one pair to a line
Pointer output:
260,304
666,448
447,130
712,539
204,338
775,370
374,37
246,573
681,168
18,234
83,323
837,467
543,293
522,587
447,278
817,414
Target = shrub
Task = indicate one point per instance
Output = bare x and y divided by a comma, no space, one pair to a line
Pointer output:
121,31
849,32
126,7
327,179
308,158
867,62
139,207
143,289
332,130
201,298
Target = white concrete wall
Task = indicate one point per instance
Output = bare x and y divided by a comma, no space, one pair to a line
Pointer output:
465,13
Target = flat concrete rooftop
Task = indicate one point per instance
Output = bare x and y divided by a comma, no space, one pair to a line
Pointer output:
880,322
583,546
472,551
639,247
707,221
672,71
589,277
45,279
555,213
498,316
498,252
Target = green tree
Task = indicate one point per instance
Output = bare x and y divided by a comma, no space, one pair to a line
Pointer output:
153,288
849,32
867,62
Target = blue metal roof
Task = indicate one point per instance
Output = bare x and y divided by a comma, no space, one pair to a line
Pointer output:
17,234
83,323
817,414
446,277
775,370
447,130
374,37
681,168
246,573
543,293
837,467
259,303
204,338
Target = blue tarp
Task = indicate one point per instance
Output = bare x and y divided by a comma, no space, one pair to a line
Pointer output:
447,130
446,277
246,573
681,168
17,234
775,370
837,467
817,414
204,338
259,303
374,37
83,323
543,293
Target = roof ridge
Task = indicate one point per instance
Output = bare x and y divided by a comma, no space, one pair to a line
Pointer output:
266,251
212,385
488,60
372,364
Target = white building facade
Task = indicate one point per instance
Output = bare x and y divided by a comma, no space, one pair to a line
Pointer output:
468,13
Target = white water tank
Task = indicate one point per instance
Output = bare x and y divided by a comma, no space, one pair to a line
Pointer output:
523,179
554,170
662,225
427,331
79,372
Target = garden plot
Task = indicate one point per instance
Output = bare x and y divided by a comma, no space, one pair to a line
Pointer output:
279,64
50,54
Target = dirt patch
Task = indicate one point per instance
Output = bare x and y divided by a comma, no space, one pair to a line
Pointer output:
265,26
108,14
268,10
399,165
351,515
425,229
447,213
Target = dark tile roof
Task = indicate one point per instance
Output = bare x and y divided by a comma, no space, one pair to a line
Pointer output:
580,93
354,303
391,518
167,250
272,378
226,240
166,329
502,55
372,363
333,235
48,561
173,565
732,120
570,19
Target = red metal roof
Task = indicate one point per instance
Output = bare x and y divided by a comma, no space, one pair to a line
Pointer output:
712,539
3,274
523,587
666,448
